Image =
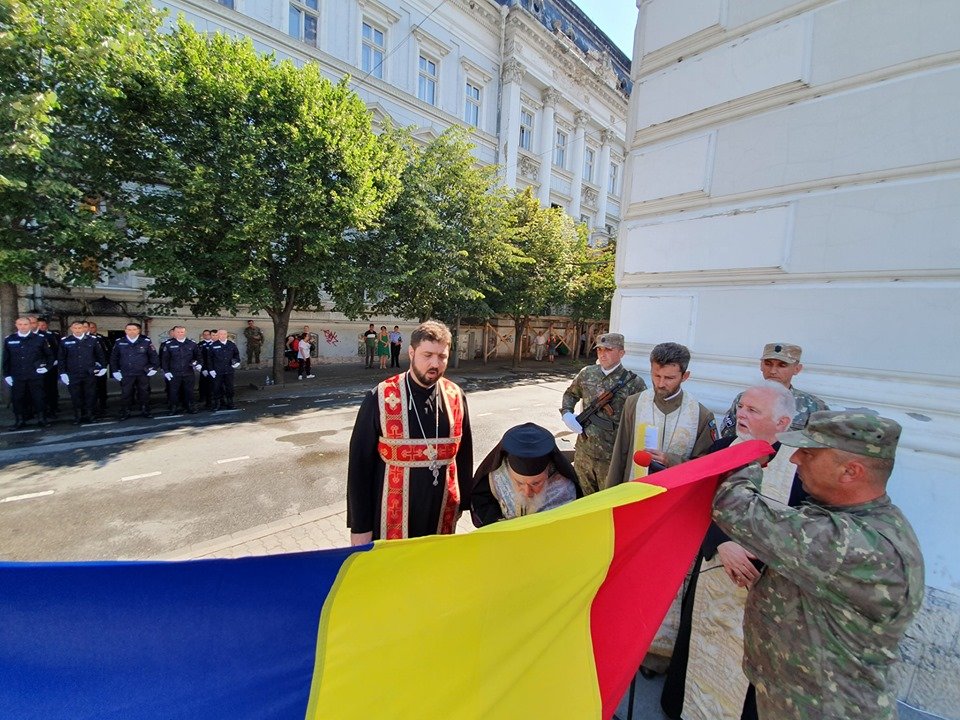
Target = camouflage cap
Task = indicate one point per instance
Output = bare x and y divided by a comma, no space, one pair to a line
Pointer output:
852,431
781,351
613,341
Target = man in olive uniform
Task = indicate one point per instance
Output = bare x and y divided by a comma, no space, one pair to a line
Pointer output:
595,440
779,362
843,576
254,336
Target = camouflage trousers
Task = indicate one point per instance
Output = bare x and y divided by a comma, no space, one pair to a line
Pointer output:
772,705
592,471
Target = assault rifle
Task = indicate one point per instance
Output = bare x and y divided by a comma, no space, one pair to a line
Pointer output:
599,412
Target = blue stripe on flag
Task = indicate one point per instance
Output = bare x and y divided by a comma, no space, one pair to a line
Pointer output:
199,639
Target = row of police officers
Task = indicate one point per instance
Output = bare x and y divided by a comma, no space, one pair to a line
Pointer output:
33,356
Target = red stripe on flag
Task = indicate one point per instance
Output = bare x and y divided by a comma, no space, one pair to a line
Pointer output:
656,540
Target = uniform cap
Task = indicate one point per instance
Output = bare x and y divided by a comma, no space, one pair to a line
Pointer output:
781,351
529,448
612,341
852,431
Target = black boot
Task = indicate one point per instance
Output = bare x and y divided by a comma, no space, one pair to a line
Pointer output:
146,413
43,422
123,415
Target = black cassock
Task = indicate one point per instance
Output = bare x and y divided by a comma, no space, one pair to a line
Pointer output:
366,469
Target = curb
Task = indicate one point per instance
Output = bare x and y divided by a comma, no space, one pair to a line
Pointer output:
225,542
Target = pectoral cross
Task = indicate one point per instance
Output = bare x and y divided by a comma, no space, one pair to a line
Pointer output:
434,465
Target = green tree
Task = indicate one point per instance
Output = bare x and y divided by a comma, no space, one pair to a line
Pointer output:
256,182
593,282
62,63
537,277
441,241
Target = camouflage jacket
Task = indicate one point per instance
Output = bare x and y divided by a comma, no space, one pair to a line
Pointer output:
806,404
590,383
254,335
841,585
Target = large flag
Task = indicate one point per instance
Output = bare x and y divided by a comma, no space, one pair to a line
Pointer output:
546,616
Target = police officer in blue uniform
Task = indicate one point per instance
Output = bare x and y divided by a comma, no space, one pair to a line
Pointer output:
133,361
181,357
51,396
221,360
26,359
80,362
205,383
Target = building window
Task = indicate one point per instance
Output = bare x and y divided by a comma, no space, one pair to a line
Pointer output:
427,86
226,3
304,21
471,105
372,54
560,150
526,129
614,178
589,157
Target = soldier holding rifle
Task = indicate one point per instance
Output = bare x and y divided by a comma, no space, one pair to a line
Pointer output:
603,388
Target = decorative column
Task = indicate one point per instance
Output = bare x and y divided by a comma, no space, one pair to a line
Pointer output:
512,73
580,120
603,180
546,132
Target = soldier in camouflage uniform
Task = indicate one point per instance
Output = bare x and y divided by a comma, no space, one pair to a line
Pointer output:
595,441
843,576
779,362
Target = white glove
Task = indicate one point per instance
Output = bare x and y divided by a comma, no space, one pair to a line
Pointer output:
204,373
9,380
168,376
65,379
101,372
118,376
570,420
151,372
41,371
197,366
235,365
213,373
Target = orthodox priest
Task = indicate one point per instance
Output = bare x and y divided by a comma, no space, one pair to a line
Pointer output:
705,680
411,452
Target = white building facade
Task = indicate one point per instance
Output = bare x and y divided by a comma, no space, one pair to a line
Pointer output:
793,174
543,91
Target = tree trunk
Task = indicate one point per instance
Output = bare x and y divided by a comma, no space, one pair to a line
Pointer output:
8,316
518,324
455,345
281,323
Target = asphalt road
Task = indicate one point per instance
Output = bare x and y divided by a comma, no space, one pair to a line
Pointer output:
144,487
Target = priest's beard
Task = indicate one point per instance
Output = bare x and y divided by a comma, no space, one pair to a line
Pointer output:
426,380
529,506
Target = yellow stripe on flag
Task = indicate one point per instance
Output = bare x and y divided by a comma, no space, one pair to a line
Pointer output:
493,624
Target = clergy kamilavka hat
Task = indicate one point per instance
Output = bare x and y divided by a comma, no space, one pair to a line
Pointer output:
529,448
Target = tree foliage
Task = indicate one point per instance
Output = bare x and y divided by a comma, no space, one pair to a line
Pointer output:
593,283
537,277
255,181
63,63
441,243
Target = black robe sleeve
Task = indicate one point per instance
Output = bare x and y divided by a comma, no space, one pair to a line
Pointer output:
465,458
362,481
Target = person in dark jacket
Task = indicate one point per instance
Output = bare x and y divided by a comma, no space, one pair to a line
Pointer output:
80,362
221,360
133,362
26,359
181,358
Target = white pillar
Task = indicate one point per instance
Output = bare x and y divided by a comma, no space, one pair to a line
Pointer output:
603,180
547,129
580,124
512,72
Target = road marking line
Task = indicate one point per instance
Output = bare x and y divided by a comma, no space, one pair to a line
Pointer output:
226,460
280,405
20,432
14,498
484,414
105,422
142,475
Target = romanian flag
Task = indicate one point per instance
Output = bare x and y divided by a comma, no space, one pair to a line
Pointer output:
546,616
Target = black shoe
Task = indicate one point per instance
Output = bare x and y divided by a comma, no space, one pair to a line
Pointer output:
18,425
191,411
87,421
77,421
43,422
146,414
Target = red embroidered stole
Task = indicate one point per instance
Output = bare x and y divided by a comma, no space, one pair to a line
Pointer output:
400,453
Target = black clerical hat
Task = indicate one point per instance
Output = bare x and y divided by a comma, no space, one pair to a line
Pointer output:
529,448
